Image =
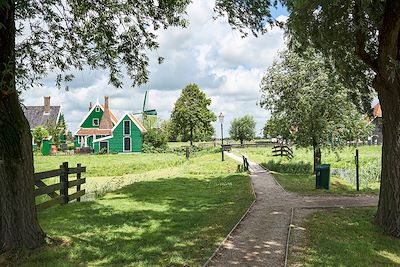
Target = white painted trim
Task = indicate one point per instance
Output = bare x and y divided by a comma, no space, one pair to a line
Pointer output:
90,111
123,128
97,109
87,115
103,138
98,122
137,123
123,144
108,146
58,116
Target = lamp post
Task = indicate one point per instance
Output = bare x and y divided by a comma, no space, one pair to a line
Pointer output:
221,120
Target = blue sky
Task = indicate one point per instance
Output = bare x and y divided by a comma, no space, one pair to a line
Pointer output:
208,52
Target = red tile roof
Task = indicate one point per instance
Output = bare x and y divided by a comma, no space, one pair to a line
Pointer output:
377,111
93,131
113,117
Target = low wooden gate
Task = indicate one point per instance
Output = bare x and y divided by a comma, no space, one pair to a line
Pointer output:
283,151
63,197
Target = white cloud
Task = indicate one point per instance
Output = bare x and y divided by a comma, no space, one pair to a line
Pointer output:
208,52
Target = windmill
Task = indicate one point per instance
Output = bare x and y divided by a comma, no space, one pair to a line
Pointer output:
145,111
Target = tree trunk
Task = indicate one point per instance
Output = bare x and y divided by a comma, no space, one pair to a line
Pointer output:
317,155
388,214
19,226
241,142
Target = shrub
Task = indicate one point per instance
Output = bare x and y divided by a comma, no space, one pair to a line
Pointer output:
155,138
288,167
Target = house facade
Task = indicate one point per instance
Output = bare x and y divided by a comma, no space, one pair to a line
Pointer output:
101,131
43,115
126,136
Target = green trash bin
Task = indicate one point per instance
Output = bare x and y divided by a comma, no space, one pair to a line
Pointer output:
322,175
46,146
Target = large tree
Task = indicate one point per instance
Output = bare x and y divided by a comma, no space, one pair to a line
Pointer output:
362,37
191,113
243,129
310,103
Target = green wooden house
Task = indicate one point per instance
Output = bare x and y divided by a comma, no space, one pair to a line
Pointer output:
100,131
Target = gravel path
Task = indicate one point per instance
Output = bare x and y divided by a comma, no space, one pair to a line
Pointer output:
260,239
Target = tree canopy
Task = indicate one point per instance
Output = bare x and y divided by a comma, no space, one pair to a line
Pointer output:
310,103
243,129
191,113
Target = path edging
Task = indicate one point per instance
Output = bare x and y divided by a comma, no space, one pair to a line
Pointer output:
234,227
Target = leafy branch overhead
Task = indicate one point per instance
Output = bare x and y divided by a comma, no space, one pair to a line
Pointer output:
61,36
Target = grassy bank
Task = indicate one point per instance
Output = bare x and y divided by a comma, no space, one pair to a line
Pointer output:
110,165
345,237
172,217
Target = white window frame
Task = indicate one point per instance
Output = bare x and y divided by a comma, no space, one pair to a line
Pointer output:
97,109
123,143
123,128
98,122
108,145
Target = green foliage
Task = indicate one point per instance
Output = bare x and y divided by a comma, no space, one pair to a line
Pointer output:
310,103
63,36
156,138
174,216
68,35
38,134
335,29
151,122
56,131
277,126
243,129
191,116
295,167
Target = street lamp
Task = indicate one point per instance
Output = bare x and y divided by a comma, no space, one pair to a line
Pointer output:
221,120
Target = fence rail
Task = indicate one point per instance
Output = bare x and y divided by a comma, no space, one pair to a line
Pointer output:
63,197
283,151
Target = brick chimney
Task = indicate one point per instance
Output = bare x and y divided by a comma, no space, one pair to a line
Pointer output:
47,105
90,106
106,102
105,122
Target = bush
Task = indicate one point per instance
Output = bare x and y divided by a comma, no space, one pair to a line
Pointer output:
288,167
155,138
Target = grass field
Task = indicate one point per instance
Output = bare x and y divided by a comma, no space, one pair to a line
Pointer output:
111,165
345,237
295,175
173,216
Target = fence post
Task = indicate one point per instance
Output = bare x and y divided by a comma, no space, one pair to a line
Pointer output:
78,177
357,171
64,179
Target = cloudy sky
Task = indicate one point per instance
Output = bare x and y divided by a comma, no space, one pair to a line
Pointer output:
227,68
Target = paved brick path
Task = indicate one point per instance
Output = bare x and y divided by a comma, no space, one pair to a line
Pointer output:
260,239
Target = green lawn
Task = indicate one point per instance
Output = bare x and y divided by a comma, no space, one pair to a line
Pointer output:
171,217
345,237
295,175
111,165
305,184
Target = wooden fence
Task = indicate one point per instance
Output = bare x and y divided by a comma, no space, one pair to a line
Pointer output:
283,151
63,197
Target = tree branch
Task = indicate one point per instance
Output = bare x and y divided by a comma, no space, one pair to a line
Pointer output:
360,40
